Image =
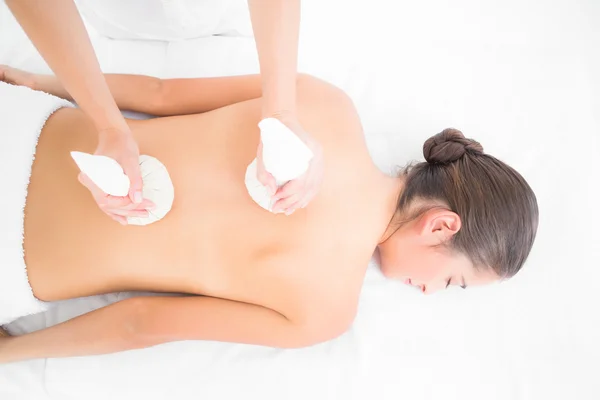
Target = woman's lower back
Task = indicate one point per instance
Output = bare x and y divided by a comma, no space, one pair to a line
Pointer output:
215,241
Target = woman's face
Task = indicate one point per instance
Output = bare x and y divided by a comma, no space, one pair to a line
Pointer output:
414,255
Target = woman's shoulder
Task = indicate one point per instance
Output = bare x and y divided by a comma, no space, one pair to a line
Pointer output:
329,115
327,104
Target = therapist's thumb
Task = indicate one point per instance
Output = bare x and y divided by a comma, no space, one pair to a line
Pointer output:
132,170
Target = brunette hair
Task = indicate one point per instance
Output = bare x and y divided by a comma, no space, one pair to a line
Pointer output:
497,208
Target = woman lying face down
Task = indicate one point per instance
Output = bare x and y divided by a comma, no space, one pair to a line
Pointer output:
461,218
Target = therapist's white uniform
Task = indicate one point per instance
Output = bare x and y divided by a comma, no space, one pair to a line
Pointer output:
168,20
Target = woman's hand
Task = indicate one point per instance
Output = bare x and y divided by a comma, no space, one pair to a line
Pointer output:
299,192
17,77
120,146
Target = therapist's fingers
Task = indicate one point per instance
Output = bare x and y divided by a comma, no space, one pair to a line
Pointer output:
113,202
131,168
269,182
103,200
107,203
303,203
263,176
125,204
286,205
294,187
297,194
129,213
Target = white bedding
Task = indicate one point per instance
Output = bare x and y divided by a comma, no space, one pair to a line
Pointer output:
522,77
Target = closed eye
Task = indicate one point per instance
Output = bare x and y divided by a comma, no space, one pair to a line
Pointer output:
463,285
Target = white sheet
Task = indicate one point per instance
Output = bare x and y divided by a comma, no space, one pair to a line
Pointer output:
520,76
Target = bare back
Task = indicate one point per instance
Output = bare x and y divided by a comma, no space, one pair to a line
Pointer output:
216,241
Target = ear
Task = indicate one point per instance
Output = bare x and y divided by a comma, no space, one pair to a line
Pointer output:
439,225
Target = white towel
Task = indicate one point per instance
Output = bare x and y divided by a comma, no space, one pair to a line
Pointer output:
23,113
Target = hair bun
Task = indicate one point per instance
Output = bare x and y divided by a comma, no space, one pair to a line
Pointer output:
448,146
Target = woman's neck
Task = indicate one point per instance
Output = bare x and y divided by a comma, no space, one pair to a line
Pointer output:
389,189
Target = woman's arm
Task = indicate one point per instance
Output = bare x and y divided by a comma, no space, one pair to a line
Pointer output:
162,97
148,321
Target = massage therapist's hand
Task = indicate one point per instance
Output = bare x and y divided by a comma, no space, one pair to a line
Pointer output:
120,146
114,143
299,192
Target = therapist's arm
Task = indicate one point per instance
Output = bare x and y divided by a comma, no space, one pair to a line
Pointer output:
276,26
57,31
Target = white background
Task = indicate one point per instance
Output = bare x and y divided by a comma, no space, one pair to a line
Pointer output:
523,78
